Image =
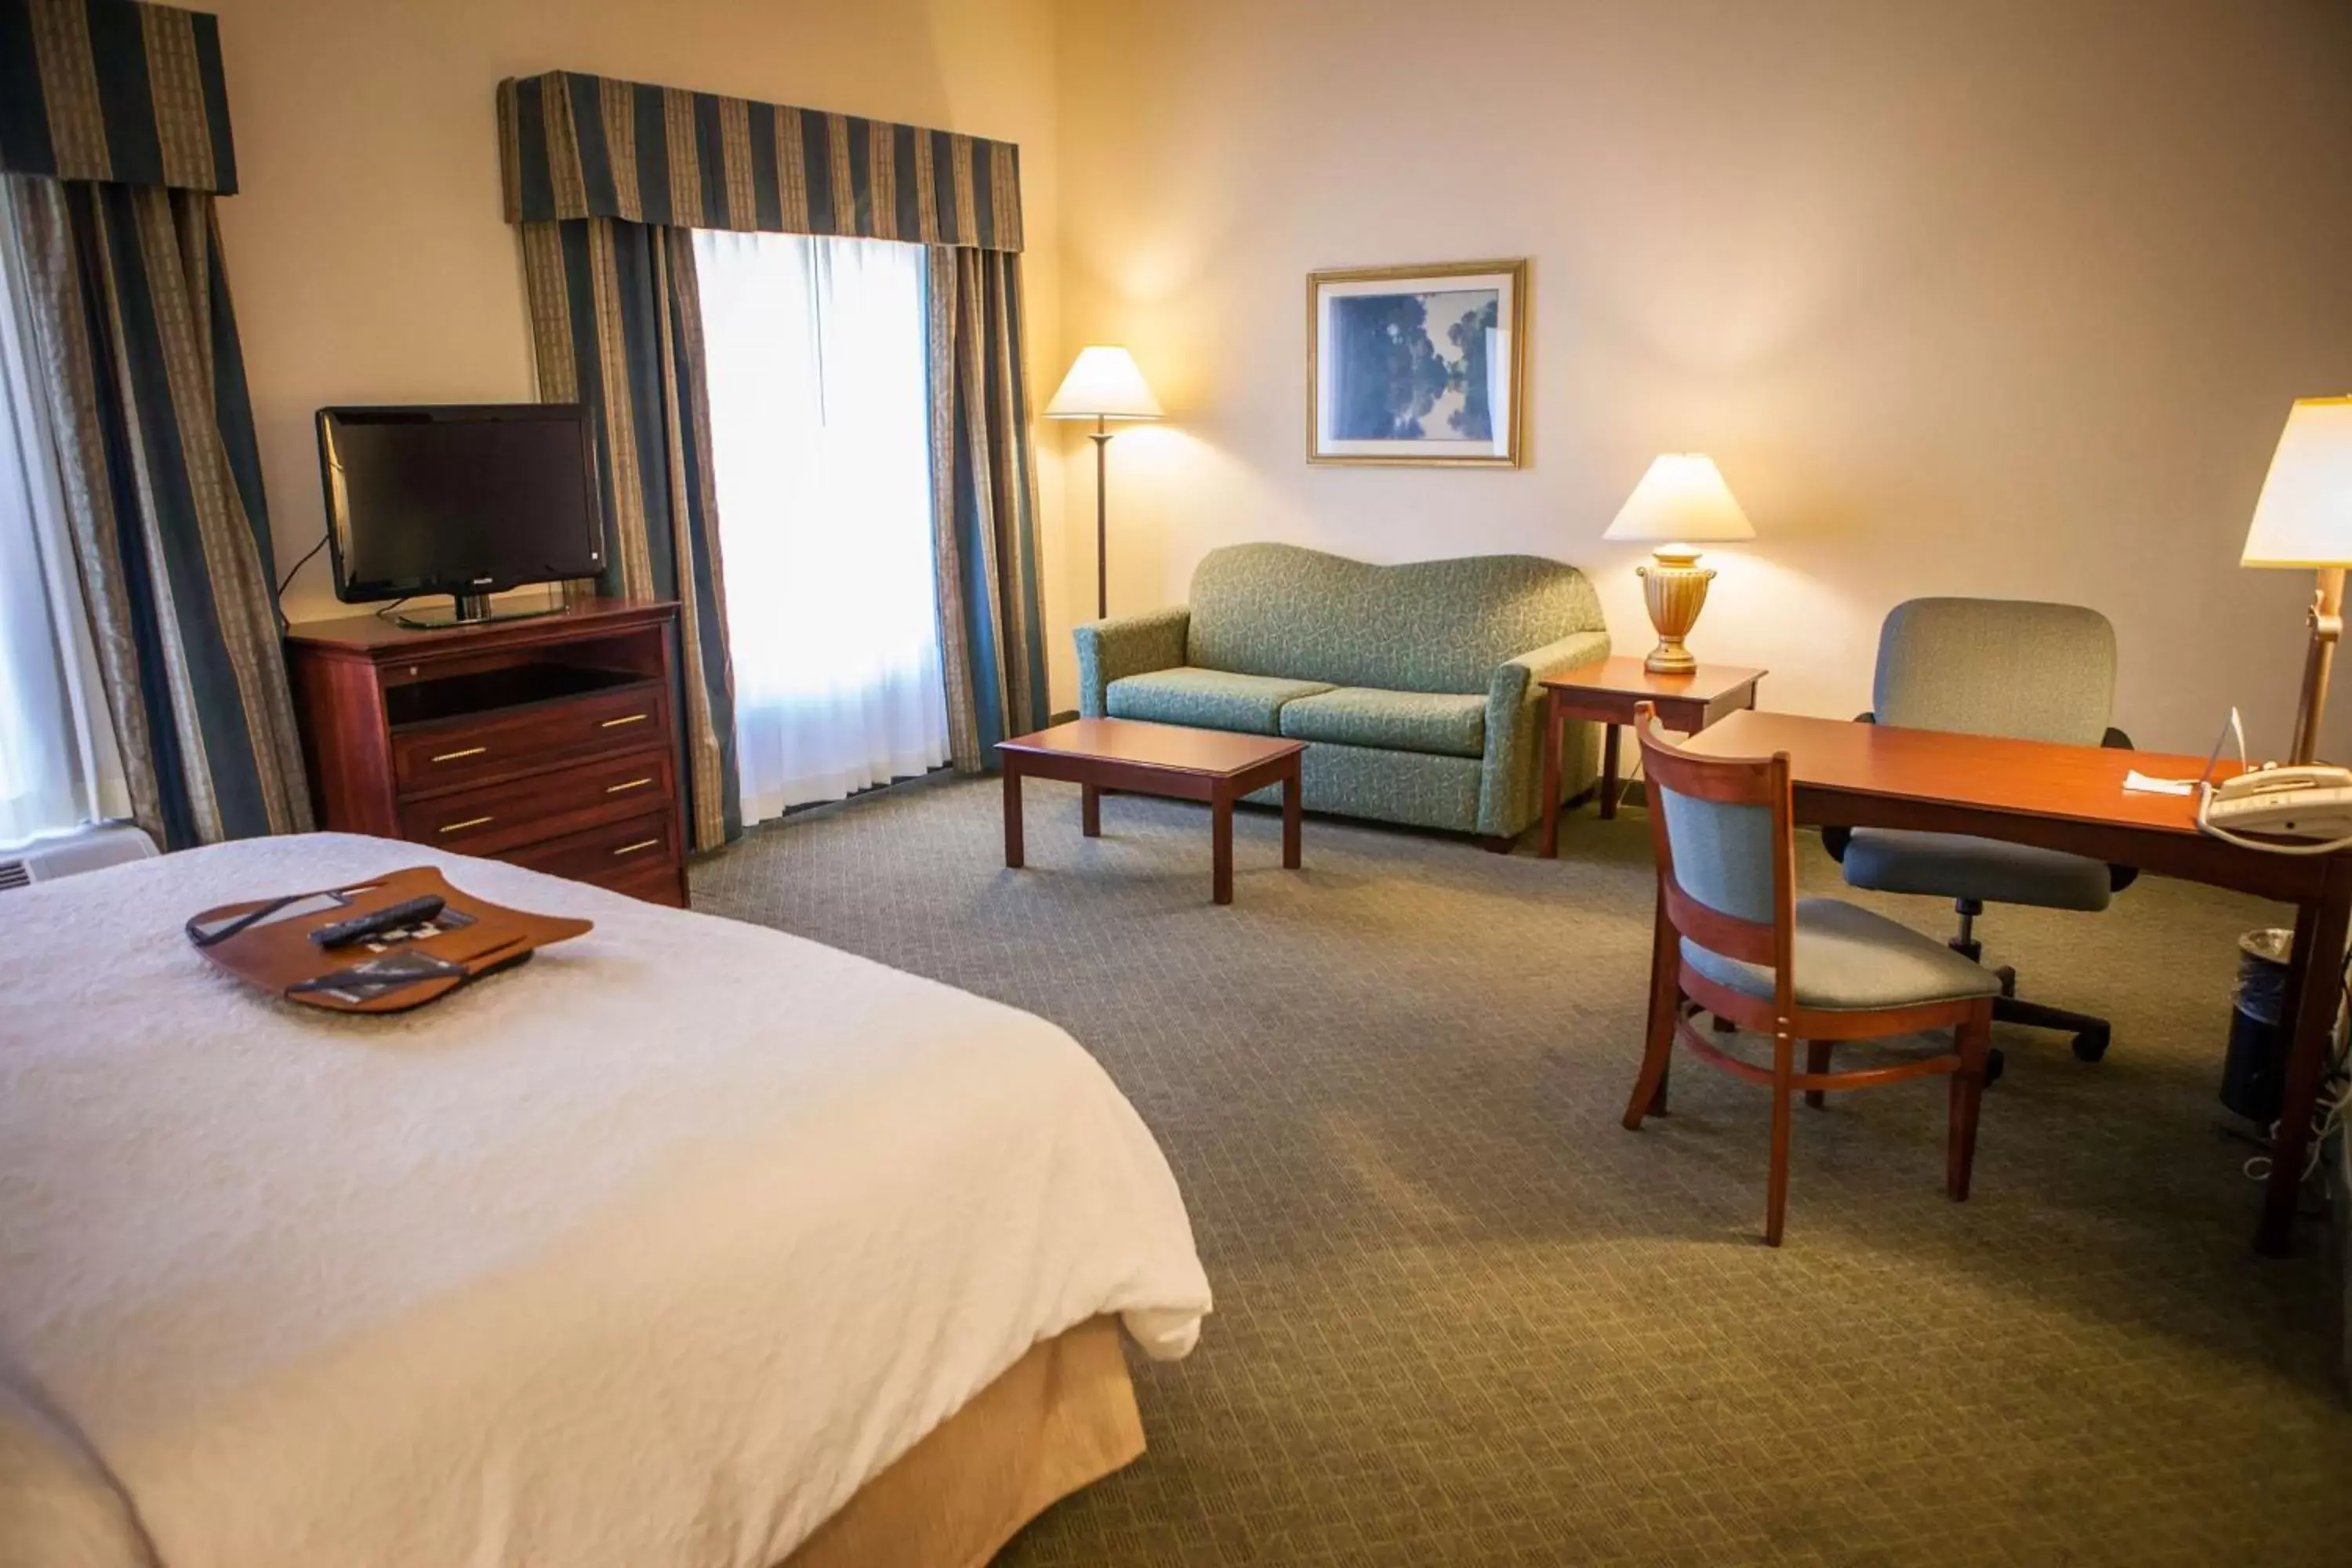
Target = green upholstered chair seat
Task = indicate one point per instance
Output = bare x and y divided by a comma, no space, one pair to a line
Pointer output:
1436,722
1207,699
1849,959
1956,866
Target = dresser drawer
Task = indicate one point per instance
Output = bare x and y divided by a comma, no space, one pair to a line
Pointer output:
639,857
493,819
462,750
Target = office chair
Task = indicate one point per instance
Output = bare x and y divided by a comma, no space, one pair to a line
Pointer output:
1993,667
1747,949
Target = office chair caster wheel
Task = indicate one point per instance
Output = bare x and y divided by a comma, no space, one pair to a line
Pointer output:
2091,1044
1994,1062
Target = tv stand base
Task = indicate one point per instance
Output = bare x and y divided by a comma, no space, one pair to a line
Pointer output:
471,610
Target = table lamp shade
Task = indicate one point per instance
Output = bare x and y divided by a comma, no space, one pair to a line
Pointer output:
1103,385
2304,516
1683,500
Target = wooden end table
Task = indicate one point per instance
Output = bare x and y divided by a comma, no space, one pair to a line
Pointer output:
1607,692
1166,760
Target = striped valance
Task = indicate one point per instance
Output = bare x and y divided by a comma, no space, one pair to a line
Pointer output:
106,90
577,146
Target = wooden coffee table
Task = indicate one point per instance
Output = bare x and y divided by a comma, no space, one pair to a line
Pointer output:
1606,692
1165,760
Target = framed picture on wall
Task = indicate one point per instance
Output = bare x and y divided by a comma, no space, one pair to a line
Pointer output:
1417,364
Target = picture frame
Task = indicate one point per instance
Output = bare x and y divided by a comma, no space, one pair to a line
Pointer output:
1418,366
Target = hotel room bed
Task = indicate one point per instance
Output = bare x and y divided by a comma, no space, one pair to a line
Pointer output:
686,1243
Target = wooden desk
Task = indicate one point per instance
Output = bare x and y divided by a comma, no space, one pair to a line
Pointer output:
1605,692
2071,798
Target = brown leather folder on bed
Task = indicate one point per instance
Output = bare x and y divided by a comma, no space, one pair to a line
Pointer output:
270,942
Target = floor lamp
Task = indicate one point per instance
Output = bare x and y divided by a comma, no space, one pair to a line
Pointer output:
1103,385
2304,520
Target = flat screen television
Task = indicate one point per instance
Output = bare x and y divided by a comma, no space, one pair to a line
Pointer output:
467,500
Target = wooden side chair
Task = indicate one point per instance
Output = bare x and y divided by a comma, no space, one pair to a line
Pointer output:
1735,939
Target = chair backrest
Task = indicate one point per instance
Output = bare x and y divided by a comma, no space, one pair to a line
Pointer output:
1426,626
1725,832
1997,667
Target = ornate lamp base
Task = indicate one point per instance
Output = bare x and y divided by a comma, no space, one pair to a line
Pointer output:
1675,587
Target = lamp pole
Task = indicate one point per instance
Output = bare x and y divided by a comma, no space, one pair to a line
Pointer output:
1100,436
2326,626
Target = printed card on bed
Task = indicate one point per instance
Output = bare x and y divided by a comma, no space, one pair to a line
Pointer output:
383,945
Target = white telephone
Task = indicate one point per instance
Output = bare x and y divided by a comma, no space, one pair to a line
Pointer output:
2307,802
2302,801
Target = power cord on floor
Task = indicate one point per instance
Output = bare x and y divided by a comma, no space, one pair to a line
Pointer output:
2327,1114
1625,785
2333,1102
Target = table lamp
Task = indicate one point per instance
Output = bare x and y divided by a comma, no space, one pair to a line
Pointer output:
1681,503
2304,519
1103,385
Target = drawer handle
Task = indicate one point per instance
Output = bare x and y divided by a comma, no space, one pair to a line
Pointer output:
633,783
469,822
468,752
616,723
640,844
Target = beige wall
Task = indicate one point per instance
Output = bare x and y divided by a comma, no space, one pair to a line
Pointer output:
369,256
2001,297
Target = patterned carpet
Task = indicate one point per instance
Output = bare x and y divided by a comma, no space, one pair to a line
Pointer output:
1463,1317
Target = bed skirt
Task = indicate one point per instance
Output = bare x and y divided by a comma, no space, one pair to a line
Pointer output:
1061,1417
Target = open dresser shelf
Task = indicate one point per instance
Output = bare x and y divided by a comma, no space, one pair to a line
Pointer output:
549,742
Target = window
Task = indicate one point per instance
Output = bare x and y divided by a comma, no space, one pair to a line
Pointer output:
59,764
820,414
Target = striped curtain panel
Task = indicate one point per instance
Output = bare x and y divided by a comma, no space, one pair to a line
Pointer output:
585,146
103,90
616,323
603,178
984,480
138,353
114,137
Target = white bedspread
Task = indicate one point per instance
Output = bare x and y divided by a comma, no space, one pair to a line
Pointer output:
650,1252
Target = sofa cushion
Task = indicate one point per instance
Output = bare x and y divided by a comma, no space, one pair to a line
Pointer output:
1425,625
1411,787
1435,722
1207,699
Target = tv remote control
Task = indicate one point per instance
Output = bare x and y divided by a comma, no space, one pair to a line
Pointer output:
411,912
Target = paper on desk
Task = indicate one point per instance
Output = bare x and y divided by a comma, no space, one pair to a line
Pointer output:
2138,783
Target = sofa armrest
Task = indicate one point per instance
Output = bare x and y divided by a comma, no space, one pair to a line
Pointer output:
1511,780
1129,645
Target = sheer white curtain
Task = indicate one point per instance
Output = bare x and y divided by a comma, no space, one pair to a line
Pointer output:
819,418
59,762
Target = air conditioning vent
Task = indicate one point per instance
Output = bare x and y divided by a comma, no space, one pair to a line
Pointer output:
85,850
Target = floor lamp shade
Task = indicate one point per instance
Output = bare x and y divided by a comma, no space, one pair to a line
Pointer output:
1681,503
1103,385
2303,519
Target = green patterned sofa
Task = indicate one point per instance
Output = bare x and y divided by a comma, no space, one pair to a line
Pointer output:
1414,686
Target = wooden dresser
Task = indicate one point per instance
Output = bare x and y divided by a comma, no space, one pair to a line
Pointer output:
550,743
